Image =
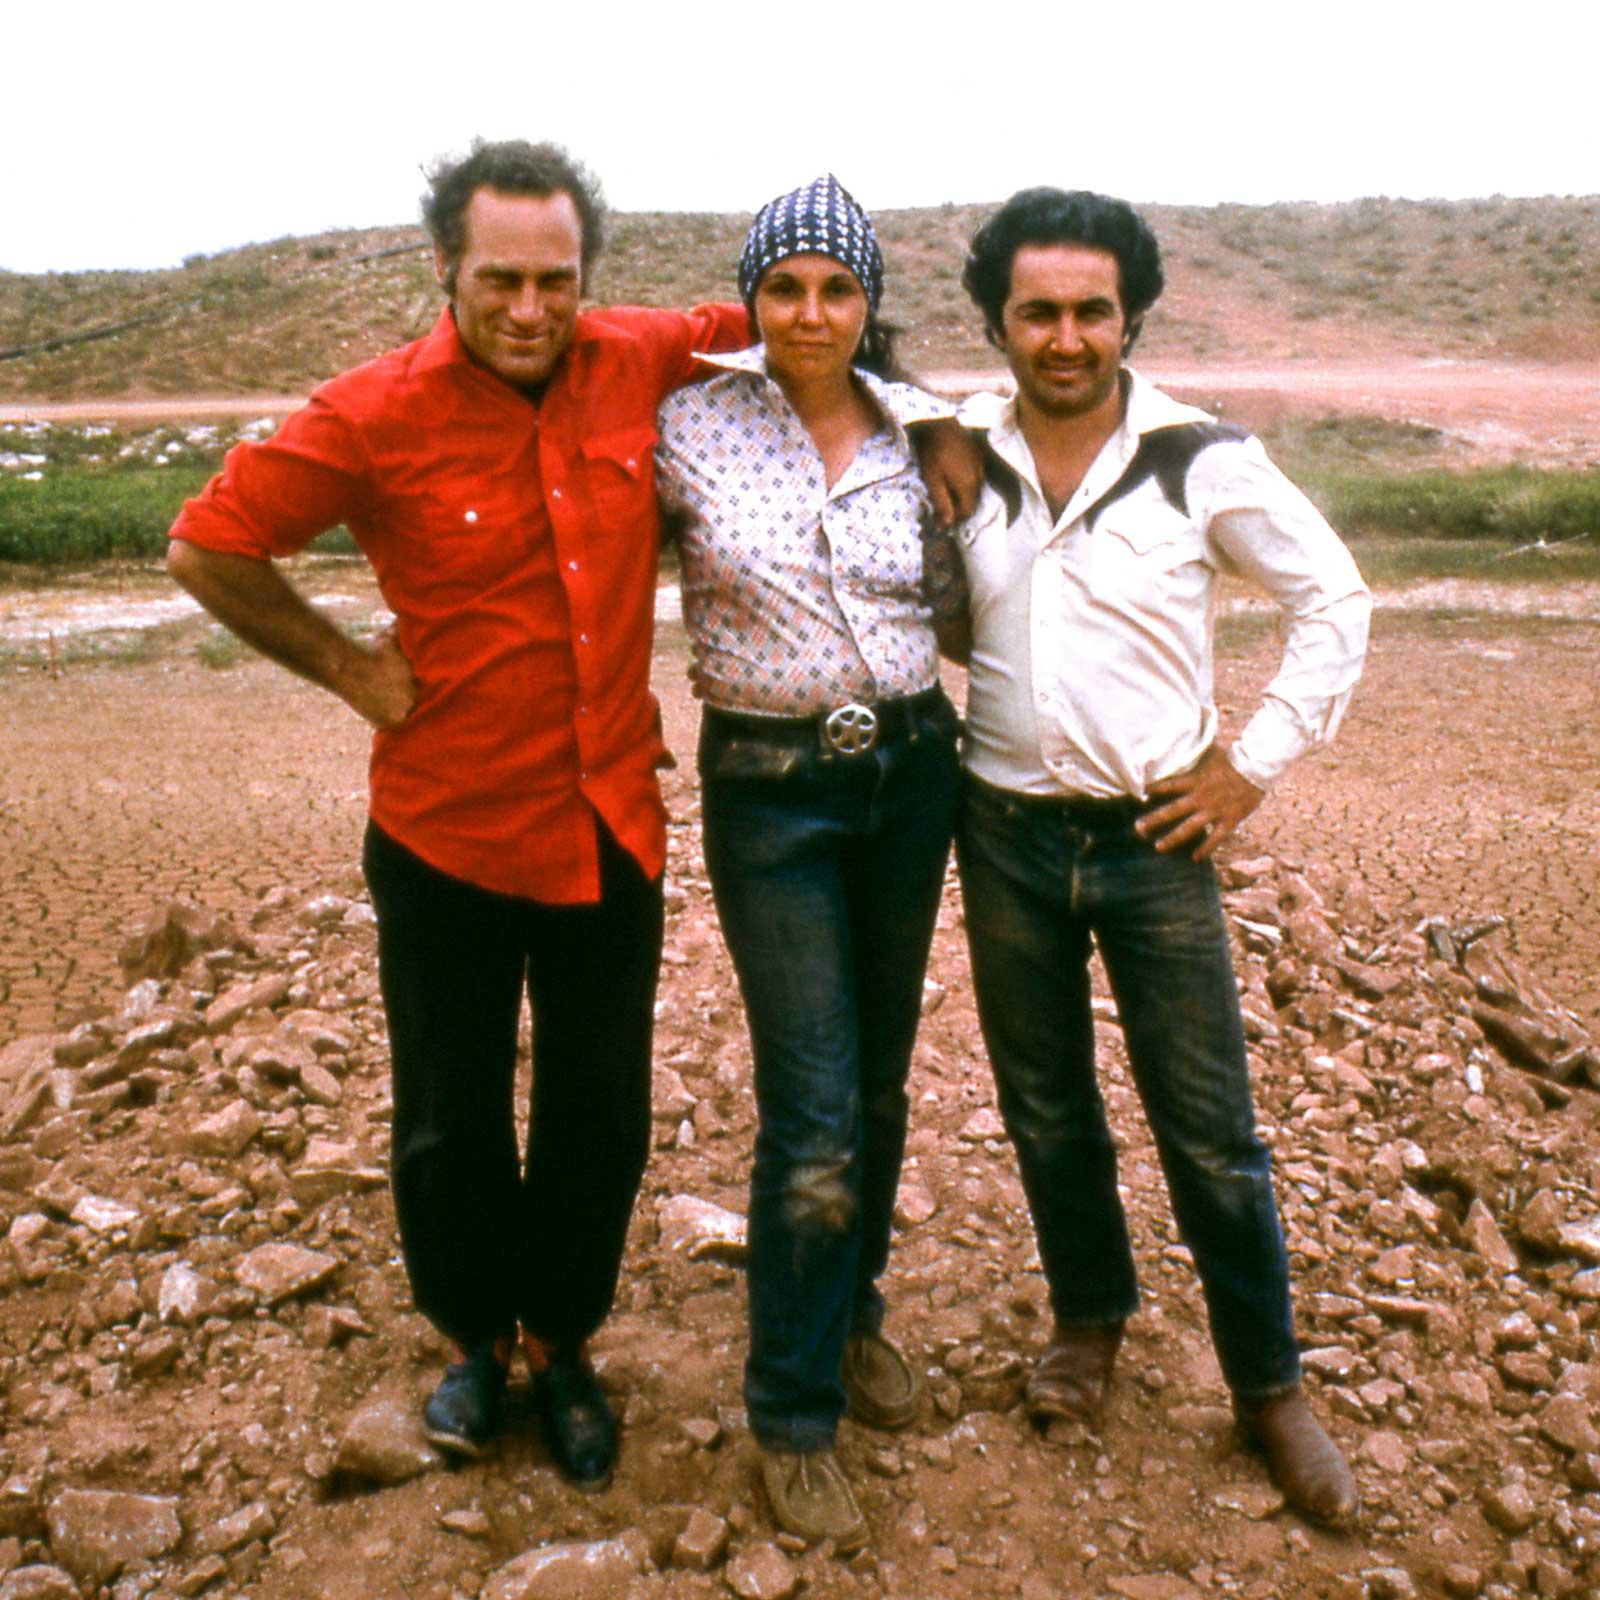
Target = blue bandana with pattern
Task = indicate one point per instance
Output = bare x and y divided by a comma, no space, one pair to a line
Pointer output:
821,218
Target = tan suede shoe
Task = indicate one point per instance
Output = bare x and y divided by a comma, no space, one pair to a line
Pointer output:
811,1498
879,1386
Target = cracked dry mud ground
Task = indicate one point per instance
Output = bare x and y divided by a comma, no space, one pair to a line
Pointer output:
1464,782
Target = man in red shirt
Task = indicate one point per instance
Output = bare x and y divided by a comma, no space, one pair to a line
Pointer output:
498,475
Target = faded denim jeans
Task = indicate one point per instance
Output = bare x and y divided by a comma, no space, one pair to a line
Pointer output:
1042,881
827,878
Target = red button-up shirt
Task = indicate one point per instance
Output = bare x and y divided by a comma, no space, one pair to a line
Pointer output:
516,544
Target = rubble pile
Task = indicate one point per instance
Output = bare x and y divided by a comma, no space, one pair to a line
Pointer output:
211,1373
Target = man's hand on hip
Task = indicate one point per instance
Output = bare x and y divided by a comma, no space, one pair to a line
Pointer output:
383,690
1203,806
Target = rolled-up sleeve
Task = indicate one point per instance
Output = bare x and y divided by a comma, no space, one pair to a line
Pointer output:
274,497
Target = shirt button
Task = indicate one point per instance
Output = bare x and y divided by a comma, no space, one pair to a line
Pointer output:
472,516
572,566
555,494
583,638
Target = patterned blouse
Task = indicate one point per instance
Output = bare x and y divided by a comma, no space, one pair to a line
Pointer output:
797,597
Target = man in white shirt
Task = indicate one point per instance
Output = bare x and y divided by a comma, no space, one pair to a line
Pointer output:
1098,790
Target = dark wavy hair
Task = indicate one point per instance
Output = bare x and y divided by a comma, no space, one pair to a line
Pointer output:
509,166
1064,216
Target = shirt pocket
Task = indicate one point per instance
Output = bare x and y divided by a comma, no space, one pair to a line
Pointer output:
619,477
459,541
1148,530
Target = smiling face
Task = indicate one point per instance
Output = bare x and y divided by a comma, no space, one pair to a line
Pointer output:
517,282
811,312
1063,330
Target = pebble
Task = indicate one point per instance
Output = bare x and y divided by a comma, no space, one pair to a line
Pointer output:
761,1572
383,1443
702,1542
599,1570
94,1533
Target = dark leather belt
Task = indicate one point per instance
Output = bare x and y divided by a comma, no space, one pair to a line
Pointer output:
852,729
1089,810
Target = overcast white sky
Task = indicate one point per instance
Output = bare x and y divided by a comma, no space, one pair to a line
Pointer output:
145,133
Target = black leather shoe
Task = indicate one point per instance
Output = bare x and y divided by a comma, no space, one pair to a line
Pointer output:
579,1429
463,1414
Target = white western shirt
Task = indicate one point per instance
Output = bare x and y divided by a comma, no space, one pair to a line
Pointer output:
1091,670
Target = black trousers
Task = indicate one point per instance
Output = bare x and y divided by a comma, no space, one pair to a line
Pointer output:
491,1239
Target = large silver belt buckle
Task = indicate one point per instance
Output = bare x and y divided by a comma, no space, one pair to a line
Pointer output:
850,730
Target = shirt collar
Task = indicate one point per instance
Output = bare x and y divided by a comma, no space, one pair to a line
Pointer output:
902,403
1147,409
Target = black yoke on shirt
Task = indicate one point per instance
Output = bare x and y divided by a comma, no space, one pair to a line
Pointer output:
1165,454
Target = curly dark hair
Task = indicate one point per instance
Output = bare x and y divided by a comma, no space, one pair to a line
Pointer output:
509,166
1064,216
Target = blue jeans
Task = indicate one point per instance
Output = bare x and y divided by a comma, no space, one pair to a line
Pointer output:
1040,881
827,877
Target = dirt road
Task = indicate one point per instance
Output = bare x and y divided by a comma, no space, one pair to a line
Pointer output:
1495,410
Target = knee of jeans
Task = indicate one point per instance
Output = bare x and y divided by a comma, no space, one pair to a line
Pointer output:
819,1198
1232,1172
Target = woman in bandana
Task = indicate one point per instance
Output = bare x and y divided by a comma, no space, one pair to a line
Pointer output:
812,585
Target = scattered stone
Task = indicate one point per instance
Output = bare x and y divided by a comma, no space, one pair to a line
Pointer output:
469,1522
330,1169
274,1272
701,1230
1581,1239
163,943
201,1576
254,1521
913,1206
1510,1507
1461,1581
597,1571
1481,1231
981,1125
240,999
184,1295
94,1533
1389,1583
383,1443
1567,1423
1257,1501
704,1433
761,1572
1540,1221
100,1215
39,1582
224,1134
1388,1452
702,1543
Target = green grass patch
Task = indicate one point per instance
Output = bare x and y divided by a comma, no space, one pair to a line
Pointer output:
1514,505
87,515
75,514
1389,563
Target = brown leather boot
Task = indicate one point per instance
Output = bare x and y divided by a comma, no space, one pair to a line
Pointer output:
1074,1374
1304,1462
